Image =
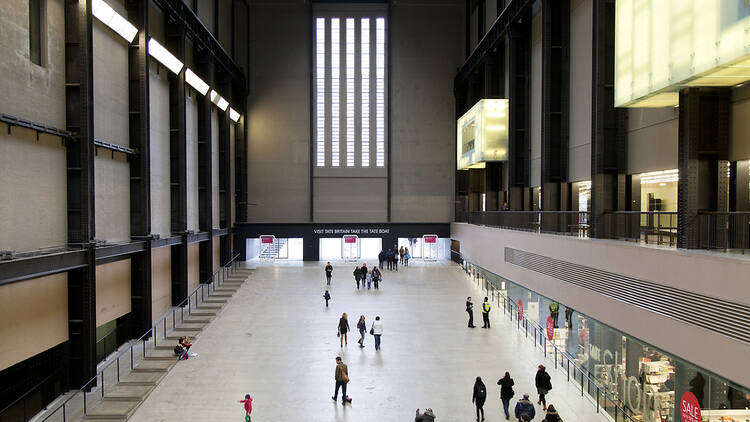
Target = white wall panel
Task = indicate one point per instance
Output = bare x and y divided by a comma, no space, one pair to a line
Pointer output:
652,139
215,211
536,100
581,32
350,200
191,129
112,196
112,291
111,117
160,172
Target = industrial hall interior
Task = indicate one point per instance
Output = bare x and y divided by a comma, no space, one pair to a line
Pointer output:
521,210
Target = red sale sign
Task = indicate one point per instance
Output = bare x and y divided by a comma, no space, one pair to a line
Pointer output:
266,239
520,309
350,239
550,328
430,239
690,410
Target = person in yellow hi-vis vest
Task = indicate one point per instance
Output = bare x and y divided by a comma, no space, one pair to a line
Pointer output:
486,313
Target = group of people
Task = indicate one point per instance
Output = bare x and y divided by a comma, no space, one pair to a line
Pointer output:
392,257
376,330
524,410
368,278
341,373
182,348
486,308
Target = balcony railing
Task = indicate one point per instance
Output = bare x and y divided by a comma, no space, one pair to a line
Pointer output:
573,223
649,227
727,231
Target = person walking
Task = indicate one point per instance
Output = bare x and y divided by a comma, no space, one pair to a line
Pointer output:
389,259
248,402
381,258
376,276
479,397
327,297
343,329
552,415
369,280
543,384
363,272
524,408
470,311
377,331
506,392
407,257
362,327
395,259
427,416
401,254
341,375
486,313
357,275
329,272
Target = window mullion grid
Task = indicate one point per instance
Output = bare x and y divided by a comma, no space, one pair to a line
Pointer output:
350,92
320,91
335,92
365,90
380,92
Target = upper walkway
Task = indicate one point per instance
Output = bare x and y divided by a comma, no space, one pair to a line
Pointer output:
276,340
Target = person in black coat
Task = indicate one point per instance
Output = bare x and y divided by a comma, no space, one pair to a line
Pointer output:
343,329
543,385
552,415
506,392
357,275
381,258
470,311
480,396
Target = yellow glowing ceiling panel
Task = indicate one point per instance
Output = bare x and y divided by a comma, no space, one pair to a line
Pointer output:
482,134
664,45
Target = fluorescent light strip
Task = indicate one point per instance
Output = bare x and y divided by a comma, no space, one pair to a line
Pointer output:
219,100
114,20
234,115
195,81
164,57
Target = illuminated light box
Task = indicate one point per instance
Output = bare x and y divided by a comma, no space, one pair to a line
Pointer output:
482,134
662,46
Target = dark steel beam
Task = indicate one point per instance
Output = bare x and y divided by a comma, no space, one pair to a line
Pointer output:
176,42
608,124
205,169
198,237
28,124
555,102
118,250
167,241
79,118
140,167
225,176
507,17
98,143
220,232
16,270
519,142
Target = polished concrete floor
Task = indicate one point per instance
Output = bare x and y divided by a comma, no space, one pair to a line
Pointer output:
277,341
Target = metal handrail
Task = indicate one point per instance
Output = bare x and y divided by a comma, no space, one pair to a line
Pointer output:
25,395
511,308
151,332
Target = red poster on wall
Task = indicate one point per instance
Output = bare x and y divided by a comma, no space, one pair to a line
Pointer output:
430,239
550,328
350,239
520,309
690,410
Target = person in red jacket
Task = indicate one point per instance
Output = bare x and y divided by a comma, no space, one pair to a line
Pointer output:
248,406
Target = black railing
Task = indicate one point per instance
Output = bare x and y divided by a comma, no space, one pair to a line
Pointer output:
649,227
574,223
32,401
724,230
75,405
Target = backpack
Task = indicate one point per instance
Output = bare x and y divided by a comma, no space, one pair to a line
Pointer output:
178,350
482,393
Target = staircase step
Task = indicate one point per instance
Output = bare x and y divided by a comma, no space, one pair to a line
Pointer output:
218,300
203,313
175,335
191,326
209,306
142,378
128,393
192,319
112,409
155,365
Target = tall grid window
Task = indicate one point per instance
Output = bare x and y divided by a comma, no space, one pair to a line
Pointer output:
320,93
335,90
380,92
365,86
350,91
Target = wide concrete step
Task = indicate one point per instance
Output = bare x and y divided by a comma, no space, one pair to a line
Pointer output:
167,353
192,319
208,306
203,313
191,326
222,294
142,378
155,365
112,410
128,393
218,300
175,335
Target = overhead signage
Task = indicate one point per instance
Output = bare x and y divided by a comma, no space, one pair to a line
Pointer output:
350,239
267,239
347,230
431,238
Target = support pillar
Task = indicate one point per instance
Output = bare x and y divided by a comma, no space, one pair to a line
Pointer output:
140,167
519,145
79,119
205,168
225,176
703,151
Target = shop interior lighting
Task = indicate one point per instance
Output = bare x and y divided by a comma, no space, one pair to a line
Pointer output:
164,57
234,115
219,100
195,81
114,20
664,176
584,188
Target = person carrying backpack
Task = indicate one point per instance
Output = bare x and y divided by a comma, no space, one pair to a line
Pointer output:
543,384
327,297
480,396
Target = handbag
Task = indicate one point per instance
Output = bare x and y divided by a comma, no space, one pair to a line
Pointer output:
372,330
345,378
